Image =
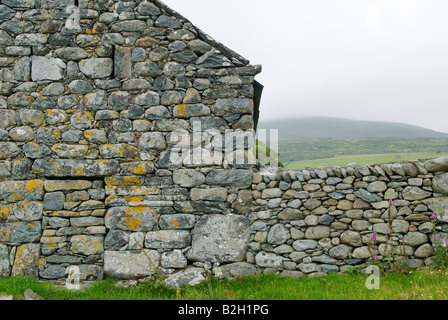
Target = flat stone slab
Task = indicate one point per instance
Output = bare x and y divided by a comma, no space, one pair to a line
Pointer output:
190,276
220,238
75,168
131,264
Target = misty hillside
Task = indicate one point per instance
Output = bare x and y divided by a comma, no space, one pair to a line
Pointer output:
321,127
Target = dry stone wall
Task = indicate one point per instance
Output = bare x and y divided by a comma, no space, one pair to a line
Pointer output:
321,221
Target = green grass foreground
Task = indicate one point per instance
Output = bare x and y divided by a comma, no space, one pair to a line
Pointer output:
421,285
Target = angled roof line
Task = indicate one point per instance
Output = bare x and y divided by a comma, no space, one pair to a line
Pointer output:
236,58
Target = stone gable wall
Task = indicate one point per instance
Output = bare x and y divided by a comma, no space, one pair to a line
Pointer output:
100,108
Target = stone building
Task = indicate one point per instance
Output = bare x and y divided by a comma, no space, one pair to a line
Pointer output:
91,96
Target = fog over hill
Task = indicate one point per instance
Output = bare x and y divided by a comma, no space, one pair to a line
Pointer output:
323,127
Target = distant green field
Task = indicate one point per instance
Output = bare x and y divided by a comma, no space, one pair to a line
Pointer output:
300,153
361,160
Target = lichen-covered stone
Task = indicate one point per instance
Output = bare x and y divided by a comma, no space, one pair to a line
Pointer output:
35,151
71,53
224,107
142,219
86,245
173,259
167,239
75,168
60,185
131,264
234,178
13,191
177,221
191,110
5,267
28,210
219,238
21,232
96,100
7,118
209,194
96,68
152,141
112,151
189,276
438,164
70,151
415,193
188,178
26,261
149,98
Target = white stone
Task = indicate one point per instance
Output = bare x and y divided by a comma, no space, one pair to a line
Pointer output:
47,68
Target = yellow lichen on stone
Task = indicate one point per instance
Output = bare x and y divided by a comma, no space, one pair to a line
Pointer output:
35,185
16,196
88,134
130,220
181,111
134,199
5,212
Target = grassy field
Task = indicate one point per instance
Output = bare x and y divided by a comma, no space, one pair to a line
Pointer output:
295,151
427,285
361,159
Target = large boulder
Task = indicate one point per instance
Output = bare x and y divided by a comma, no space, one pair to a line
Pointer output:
440,183
439,207
220,238
438,164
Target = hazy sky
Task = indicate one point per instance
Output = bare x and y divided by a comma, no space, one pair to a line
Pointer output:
383,60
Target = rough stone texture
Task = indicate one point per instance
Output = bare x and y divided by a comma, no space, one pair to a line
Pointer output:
440,183
5,267
96,67
235,270
26,261
131,264
167,239
47,68
438,164
236,178
218,238
268,260
439,206
190,276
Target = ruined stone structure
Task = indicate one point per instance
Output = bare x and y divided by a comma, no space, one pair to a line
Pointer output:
105,106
